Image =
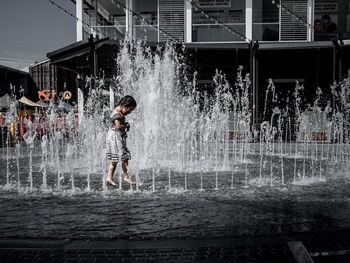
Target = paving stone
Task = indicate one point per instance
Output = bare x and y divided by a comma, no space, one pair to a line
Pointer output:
266,250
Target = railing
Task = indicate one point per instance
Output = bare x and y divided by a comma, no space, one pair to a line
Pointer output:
112,31
331,36
146,32
212,32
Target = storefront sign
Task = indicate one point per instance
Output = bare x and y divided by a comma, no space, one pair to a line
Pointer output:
46,95
326,7
213,3
67,95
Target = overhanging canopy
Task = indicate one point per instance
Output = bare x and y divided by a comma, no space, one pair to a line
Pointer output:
42,104
24,100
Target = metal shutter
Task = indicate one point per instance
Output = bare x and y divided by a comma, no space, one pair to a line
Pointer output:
172,19
291,29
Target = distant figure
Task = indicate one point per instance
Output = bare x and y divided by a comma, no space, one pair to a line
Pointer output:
327,25
318,26
116,139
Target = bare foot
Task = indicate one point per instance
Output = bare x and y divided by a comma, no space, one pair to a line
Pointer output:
110,182
128,180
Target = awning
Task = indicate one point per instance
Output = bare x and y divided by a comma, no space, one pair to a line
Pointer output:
75,50
265,45
42,104
217,45
28,102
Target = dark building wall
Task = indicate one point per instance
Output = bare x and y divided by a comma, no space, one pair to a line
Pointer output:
345,61
313,68
21,82
207,61
41,75
51,77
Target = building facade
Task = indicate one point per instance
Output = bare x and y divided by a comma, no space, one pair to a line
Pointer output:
44,75
51,80
17,82
192,21
321,28
286,40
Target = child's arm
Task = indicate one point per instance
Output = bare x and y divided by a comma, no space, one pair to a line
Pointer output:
127,125
117,124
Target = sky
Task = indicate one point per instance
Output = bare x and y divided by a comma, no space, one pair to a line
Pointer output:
29,29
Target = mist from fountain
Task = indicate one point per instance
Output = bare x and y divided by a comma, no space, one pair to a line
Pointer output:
182,132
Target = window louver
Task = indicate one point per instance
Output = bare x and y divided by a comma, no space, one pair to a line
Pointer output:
172,19
291,28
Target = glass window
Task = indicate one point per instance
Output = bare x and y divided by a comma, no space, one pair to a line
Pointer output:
145,21
331,20
205,28
265,21
110,22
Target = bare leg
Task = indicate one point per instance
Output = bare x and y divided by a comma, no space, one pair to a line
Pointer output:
126,177
111,170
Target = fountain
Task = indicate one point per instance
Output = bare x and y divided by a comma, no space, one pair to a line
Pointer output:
188,149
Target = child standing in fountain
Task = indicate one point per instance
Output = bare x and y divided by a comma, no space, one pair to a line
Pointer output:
116,139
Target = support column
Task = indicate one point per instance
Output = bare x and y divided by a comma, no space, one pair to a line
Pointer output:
249,19
310,20
334,63
318,67
256,101
158,20
128,18
188,23
337,60
94,18
340,69
93,57
79,15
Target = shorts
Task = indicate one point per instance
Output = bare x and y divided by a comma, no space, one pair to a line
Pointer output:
116,146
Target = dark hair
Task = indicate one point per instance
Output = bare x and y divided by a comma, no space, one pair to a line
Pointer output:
326,17
127,101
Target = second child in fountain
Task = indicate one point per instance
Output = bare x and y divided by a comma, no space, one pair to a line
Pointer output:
116,139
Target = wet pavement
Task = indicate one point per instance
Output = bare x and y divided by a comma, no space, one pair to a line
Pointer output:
176,224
